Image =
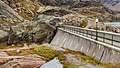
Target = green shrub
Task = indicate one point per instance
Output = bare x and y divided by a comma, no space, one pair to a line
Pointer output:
7,22
3,45
113,65
85,23
29,27
66,64
21,53
45,52
95,0
50,54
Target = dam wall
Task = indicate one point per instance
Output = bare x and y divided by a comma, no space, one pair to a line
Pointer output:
99,50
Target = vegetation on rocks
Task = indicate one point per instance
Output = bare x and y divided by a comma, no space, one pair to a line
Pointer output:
21,53
45,52
25,16
27,9
114,65
48,54
85,23
40,26
6,22
4,45
22,23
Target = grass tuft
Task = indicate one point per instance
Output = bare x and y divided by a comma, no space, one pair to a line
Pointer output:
45,52
85,23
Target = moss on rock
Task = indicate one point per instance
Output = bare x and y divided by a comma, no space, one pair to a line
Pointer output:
45,52
85,23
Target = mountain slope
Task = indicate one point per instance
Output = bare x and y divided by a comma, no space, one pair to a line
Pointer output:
39,20
7,14
26,8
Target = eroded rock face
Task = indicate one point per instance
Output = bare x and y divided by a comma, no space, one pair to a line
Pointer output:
70,3
3,60
59,2
42,28
29,61
39,32
57,12
8,14
13,28
26,8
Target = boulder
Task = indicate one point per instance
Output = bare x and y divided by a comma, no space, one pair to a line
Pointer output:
3,54
29,61
9,12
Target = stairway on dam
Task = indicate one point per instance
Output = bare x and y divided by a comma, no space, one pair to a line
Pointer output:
106,49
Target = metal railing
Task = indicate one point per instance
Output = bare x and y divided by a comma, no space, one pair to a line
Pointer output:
102,36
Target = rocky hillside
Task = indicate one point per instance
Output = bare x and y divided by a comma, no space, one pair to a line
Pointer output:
8,15
113,2
24,24
17,24
26,8
113,9
59,2
89,8
36,21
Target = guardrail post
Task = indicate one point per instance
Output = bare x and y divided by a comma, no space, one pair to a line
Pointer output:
69,29
87,33
112,39
63,27
72,29
83,32
96,35
91,34
103,37
80,31
77,31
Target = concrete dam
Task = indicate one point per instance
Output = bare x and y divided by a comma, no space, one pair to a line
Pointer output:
106,49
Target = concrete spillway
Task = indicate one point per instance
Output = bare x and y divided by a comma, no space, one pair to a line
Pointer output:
100,51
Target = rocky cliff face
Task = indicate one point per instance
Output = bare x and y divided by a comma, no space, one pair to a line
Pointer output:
110,1
113,9
33,21
7,14
26,21
16,24
26,8
59,2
